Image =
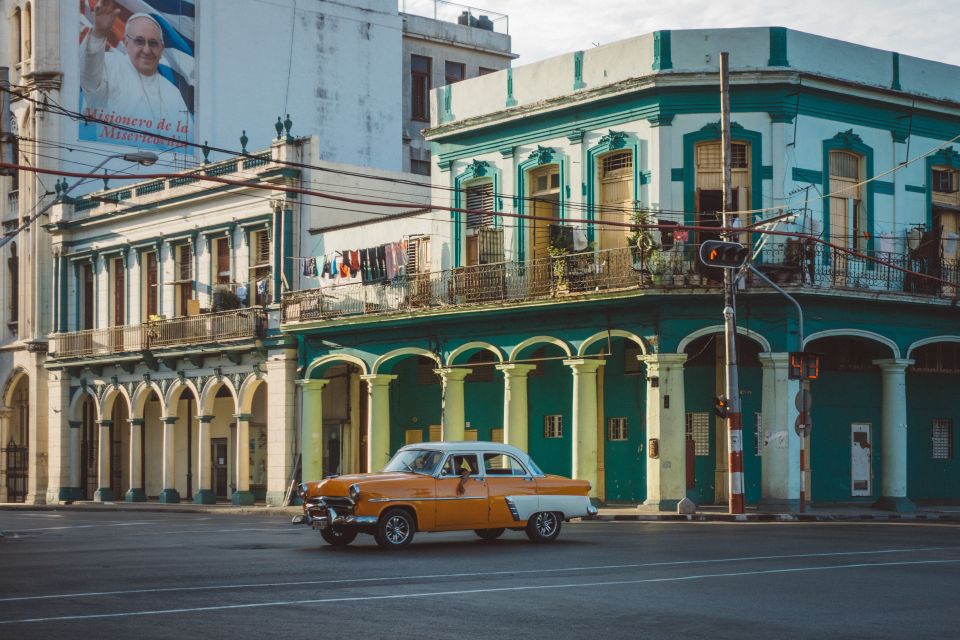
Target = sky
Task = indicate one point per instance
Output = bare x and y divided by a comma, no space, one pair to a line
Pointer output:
544,28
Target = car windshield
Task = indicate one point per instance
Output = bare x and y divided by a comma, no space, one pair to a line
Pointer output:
423,461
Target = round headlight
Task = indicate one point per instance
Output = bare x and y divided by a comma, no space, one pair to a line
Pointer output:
302,490
354,492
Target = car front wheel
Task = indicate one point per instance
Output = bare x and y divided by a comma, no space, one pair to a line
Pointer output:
489,534
338,536
543,527
395,529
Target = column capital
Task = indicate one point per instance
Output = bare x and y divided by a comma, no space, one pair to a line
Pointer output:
313,384
136,422
378,379
583,365
5,413
105,423
512,370
170,419
657,362
777,360
893,364
205,418
453,374
243,417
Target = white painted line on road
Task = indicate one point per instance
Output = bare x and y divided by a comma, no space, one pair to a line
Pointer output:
80,526
403,596
284,528
478,574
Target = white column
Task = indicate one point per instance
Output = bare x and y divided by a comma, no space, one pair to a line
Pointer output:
242,495
169,494
780,452
893,436
103,493
666,423
378,420
282,434
584,436
516,423
136,492
453,419
204,493
311,430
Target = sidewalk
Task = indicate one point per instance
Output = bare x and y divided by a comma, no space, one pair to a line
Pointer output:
613,513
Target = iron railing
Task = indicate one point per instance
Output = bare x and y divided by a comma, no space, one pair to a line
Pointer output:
586,274
237,324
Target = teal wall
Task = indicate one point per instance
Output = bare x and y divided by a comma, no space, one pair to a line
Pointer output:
839,399
699,390
483,404
409,400
549,394
929,397
625,470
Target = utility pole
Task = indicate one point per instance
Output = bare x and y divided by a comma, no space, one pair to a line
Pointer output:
734,417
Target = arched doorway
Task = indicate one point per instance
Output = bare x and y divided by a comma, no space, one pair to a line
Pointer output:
550,412
183,404
14,441
89,447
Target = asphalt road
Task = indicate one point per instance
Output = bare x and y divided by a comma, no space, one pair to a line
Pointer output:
155,575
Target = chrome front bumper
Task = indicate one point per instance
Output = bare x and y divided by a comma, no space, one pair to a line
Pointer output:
322,518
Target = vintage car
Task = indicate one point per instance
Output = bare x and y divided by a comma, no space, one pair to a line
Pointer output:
445,486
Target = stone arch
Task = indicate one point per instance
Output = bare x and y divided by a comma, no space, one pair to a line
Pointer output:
476,345
323,362
406,351
857,333
142,394
517,350
613,333
209,393
173,394
719,328
247,390
76,403
925,341
111,395
18,374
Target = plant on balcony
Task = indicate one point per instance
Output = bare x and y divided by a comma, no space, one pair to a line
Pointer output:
643,248
225,299
558,265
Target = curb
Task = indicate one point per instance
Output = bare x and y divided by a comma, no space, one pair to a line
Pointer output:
778,517
111,506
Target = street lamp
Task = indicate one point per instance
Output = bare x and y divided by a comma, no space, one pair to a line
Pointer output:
144,158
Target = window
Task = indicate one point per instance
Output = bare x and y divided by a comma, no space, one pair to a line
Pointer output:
481,365
698,429
86,296
941,439
944,180
616,199
844,165
183,279
848,215
480,198
14,154
418,254
631,362
939,357
221,247
456,464
13,266
420,167
119,291
738,156
501,464
420,88
18,34
260,268
150,284
616,429
485,70
454,72
553,426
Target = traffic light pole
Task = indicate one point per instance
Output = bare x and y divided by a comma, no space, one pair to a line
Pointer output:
734,417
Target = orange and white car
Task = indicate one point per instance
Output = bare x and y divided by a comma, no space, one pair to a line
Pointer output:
446,486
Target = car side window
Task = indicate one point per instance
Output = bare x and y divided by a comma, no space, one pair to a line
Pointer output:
456,463
502,464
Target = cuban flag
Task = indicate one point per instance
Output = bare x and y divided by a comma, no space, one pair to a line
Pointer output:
177,19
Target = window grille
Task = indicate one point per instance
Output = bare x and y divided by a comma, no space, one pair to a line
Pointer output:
553,426
425,371
698,428
631,364
942,439
844,165
944,181
616,429
617,162
738,156
940,357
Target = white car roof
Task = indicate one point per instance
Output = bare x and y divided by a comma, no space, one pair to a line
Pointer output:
472,445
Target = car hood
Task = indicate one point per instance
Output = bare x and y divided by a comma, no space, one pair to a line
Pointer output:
340,485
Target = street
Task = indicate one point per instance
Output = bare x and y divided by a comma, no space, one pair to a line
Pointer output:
154,575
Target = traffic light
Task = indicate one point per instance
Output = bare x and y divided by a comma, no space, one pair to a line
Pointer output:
726,255
721,406
804,366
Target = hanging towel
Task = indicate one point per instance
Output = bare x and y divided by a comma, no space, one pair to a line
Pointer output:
354,262
345,263
325,272
579,239
391,263
382,261
310,267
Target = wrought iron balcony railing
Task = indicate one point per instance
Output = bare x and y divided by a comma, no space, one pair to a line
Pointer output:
589,274
237,324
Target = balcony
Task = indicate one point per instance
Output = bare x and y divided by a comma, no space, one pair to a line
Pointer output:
208,328
585,275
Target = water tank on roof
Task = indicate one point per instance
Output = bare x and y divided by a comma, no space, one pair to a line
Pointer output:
485,23
467,19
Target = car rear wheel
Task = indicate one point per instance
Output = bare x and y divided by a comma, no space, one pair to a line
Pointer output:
338,536
395,529
489,534
543,527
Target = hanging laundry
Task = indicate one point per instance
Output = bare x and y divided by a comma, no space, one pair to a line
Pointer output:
579,239
354,263
262,287
310,267
401,248
391,263
382,261
325,272
242,293
345,264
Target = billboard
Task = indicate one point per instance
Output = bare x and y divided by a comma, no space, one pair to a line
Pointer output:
137,71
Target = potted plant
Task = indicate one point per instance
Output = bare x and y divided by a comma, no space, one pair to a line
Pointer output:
225,299
644,250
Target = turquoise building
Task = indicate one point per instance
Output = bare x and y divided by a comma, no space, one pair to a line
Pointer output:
531,311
